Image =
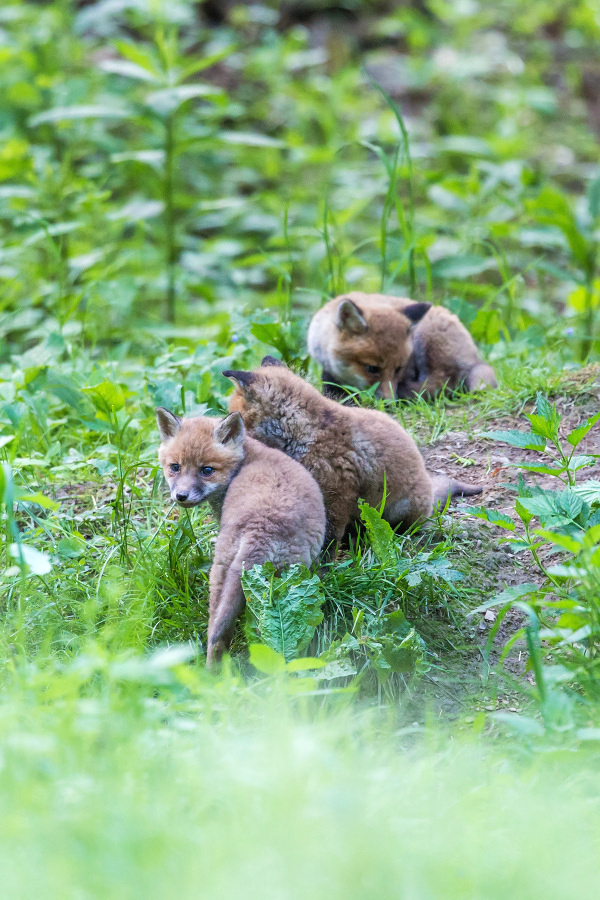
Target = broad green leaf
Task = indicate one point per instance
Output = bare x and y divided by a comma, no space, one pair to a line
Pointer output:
6,439
305,664
593,195
580,462
22,496
561,540
522,439
493,516
570,503
71,113
508,595
247,139
542,505
287,608
524,514
37,562
547,419
106,396
72,547
588,491
379,533
462,266
128,69
168,100
266,660
577,435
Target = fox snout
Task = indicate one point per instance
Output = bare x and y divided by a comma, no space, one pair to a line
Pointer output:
187,494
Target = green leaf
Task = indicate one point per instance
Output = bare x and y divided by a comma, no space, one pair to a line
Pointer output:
287,608
106,396
524,514
593,195
588,491
561,540
23,496
305,664
547,419
580,462
577,435
248,139
379,533
462,266
266,660
37,562
128,69
493,516
508,595
569,503
168,100
522,439
71,113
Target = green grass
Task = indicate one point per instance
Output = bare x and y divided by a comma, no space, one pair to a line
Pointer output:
239,789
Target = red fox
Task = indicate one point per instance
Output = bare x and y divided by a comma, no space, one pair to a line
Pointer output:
409,348
270,508
351,452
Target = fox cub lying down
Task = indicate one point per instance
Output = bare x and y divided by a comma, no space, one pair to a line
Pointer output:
270,508
409,348
353,453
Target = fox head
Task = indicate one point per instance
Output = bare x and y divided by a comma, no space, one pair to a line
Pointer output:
199,456
275,404
371,345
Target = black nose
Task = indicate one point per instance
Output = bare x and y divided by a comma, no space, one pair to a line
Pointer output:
182,496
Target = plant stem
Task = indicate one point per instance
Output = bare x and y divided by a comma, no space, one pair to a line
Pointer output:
170,245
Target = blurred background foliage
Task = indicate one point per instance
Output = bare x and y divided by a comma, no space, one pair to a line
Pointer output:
166,166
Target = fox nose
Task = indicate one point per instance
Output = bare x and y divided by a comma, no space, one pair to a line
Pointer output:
182,496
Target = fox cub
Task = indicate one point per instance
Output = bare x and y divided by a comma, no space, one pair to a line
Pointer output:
270,508
409,348
353,453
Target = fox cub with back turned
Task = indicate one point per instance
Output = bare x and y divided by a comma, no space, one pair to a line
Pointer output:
409,348
270,508
353,453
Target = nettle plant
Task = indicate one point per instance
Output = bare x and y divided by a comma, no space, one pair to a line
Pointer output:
563,609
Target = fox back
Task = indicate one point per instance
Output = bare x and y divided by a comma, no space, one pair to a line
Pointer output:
350,452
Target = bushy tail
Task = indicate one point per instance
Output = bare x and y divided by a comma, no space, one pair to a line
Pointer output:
481,375
444,487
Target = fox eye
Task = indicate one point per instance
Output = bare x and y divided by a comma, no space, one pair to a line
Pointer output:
206,471
373,370
174,467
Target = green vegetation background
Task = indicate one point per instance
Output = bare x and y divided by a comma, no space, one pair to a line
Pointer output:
181,186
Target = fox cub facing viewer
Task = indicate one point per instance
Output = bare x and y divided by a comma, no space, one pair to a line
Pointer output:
270,508
409,348
353,453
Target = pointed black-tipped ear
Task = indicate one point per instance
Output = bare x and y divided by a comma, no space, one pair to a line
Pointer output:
416,311
350,318
230,431
271,361
244,379
168,423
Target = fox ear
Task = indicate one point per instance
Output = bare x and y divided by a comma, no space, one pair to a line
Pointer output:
350,318
271,361
168,423
416,311
243,379
230,431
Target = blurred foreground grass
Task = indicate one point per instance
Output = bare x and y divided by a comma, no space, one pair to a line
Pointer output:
201,787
